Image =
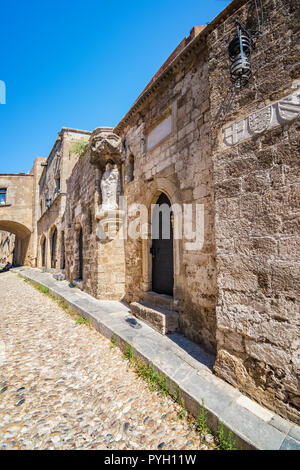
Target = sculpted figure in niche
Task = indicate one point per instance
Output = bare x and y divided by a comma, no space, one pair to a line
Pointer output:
110,187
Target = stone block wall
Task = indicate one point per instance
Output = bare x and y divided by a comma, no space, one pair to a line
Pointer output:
103,261
256,166
53,185
179,166
80,213
36,172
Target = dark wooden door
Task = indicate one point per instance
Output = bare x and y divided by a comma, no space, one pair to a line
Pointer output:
162,249
63,258
44,252
53,249
80,247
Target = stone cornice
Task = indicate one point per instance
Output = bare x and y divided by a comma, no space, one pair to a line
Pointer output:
15,174
74,131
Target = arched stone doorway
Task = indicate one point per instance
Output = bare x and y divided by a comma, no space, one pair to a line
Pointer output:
156,188
21,254
162,247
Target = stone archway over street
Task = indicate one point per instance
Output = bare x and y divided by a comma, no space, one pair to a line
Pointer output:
16,214
21,254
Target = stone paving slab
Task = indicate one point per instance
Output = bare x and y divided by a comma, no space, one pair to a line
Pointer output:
187,366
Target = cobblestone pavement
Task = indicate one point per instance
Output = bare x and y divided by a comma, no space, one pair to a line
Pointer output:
63,387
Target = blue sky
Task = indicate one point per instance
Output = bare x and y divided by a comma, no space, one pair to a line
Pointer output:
81,64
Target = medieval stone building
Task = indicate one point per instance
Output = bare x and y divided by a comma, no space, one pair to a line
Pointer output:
52,188
196,137
18,213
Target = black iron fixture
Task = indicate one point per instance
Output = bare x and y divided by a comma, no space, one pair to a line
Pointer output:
239,51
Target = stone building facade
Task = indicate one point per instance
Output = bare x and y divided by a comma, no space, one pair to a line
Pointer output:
52,189
167,136
95,262
17,213
255,157
194,140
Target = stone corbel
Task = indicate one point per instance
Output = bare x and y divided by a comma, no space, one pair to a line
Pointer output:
105,146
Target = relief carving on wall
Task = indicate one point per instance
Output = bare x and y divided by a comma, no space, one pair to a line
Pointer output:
105,153
110,187
260,121
266,118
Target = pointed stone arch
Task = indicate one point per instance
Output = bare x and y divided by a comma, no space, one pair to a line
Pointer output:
43,251
172,192
162,247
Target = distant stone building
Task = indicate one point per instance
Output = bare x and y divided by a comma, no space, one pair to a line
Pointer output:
194,139
52,189
18,212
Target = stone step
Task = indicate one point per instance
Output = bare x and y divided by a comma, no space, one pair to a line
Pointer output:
159,300
160,319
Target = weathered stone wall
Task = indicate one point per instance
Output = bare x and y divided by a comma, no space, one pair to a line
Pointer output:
257,194
53,186
80,212
7,246
179,166
103,261
36,172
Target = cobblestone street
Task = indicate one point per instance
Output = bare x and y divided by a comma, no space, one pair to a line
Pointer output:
63,387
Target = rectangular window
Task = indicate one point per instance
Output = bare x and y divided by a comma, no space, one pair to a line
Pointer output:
2,196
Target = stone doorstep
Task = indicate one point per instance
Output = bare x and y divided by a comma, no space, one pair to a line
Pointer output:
162,320
159,300
253,426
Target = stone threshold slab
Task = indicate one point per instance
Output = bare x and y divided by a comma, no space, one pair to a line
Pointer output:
187,366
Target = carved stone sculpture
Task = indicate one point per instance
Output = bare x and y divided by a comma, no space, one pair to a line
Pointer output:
105,153
110,187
